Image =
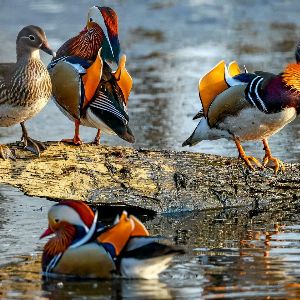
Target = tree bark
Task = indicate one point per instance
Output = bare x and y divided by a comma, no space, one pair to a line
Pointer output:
158,181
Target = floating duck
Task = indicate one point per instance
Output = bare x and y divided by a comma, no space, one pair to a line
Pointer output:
247,106
83,247
25,86
84,86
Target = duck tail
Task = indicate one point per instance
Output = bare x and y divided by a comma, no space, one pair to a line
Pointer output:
146,257
127,135
192,140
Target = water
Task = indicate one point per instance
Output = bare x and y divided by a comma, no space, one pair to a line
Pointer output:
230,253
169,46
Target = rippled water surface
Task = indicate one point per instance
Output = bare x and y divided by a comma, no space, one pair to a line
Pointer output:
169,45
230,254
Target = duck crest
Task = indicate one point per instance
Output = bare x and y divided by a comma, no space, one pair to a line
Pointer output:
291,76
84,211
110,19
61,241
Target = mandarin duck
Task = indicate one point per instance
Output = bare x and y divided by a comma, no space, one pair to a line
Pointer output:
247,106
84,86
83,247
25,86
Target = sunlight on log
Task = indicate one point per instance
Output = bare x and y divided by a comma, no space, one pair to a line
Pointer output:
161,181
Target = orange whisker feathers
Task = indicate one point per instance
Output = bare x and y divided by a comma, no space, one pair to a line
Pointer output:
291,76
62,240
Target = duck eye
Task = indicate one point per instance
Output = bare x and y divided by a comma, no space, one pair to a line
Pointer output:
91,19
56,220
32,37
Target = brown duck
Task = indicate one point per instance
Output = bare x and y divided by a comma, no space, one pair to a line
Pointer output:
25,86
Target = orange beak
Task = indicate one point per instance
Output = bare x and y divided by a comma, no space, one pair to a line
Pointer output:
47,232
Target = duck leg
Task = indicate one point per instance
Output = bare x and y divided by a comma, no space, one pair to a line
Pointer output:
6,153
97,138
76,139
34,146
247,159
271,161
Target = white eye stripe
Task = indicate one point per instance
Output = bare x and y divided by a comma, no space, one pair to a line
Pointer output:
97,17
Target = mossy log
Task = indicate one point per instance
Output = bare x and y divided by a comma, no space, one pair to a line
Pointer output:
158,181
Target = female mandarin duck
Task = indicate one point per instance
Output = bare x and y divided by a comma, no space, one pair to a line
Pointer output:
246,106
25,86
84,86
84,248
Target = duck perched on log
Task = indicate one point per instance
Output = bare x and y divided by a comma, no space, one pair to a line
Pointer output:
84,86
83,247
247,106
25,86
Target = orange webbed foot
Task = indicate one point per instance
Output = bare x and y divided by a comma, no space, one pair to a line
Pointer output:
249,160
76,140
270,161
73,141
273,163
97,138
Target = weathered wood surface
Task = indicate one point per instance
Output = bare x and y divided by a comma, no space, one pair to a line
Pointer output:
161,181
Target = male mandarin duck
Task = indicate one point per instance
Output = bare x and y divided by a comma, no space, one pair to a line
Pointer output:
25,86
84,86
82,247
247,106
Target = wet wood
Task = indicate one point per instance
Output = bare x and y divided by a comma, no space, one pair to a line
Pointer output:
160,181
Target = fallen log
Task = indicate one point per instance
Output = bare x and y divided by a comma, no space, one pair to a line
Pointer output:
156,181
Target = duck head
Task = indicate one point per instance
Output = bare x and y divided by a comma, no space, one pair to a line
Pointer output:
30,40
107,19
67,220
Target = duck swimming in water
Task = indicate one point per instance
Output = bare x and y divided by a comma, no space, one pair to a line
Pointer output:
83,247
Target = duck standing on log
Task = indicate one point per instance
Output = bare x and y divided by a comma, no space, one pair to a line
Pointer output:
84,86
25,86
83,247
247,106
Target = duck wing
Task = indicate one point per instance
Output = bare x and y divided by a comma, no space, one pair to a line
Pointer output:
246,90
228,103
67,87
214,82
108,106
123,79
146,257
6,69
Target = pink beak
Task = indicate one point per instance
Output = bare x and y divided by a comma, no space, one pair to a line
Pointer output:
47,232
